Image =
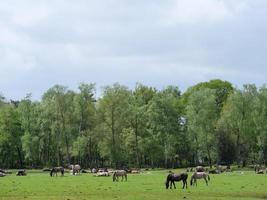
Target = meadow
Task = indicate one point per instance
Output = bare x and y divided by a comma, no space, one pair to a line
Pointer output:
145,186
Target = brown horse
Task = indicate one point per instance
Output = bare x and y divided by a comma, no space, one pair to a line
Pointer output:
55,170
176,177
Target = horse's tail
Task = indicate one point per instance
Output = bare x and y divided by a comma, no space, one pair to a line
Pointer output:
62,171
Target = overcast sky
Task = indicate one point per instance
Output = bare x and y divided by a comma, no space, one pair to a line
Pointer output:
154,42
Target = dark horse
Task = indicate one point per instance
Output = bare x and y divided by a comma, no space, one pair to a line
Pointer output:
176,177
55,170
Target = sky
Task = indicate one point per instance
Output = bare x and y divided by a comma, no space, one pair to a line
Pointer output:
153,42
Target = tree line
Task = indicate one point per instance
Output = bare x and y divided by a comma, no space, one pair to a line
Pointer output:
210,123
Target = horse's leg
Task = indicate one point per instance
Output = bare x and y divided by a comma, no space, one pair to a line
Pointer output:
174,184
171,185
206,180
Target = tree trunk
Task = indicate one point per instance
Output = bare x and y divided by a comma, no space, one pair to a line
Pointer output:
166,156
238,149
209,157
20,157
113,148
136,143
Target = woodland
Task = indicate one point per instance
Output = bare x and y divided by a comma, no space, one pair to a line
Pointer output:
210,123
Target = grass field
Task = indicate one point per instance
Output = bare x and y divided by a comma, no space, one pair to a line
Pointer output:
144,186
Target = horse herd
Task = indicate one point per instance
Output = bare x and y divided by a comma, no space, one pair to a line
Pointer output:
76,169
199,173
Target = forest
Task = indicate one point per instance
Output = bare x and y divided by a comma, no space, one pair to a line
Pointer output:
210,123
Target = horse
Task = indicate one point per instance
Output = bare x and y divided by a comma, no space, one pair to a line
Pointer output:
75,169
200,169
118,173
176,177
199,175
223,168
55,170
259,169
102,173
21,173
2,174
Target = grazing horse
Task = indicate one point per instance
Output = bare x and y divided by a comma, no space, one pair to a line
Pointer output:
118,173
199,175
200,169
21,173
55,170
223,168
176,177
75,169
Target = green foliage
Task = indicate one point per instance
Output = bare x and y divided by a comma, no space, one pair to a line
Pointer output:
221,88
10,133
144,127
201,116
237,119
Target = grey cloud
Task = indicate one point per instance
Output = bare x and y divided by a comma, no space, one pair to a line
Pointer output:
67,42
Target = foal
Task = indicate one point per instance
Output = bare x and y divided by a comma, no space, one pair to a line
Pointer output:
199,175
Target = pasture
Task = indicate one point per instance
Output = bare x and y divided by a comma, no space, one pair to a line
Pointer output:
148,185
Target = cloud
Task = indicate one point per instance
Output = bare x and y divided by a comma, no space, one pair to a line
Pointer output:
154,42
191,11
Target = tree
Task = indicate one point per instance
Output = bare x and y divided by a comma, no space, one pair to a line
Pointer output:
201,116
58,103
29,124
85,114
237,118
164,123
112,112
137,117
10,133
260,119
222,89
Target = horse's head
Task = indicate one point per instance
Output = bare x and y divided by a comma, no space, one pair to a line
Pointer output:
192,177
51,172
167,184
168,180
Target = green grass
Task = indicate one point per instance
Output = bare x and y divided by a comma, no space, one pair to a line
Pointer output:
145,186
